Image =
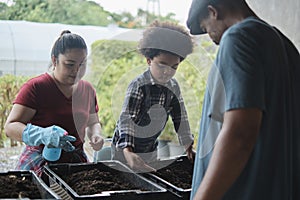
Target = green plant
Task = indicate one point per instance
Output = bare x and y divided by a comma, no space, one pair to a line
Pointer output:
9,87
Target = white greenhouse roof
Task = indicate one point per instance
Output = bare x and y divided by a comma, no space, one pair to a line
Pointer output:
25,46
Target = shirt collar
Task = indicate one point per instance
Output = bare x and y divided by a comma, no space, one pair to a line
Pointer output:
170,83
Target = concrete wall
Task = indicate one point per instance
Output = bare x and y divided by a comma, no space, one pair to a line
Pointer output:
285,15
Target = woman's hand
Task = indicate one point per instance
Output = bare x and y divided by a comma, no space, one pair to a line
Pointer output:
96,142
94,133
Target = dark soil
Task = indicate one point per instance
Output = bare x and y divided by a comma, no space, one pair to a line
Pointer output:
94,181
178,174
13,186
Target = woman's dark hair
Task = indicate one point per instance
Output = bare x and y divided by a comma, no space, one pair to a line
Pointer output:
66,41
165,37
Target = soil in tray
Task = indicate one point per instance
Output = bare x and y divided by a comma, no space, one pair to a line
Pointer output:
94,181
178,174
13,186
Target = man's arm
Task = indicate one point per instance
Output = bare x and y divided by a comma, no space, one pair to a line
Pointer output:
232,150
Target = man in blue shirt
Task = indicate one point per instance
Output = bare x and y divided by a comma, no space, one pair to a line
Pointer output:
248,142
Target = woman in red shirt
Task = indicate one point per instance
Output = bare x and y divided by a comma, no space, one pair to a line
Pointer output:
57,109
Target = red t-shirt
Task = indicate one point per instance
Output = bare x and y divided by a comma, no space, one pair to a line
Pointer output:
53,108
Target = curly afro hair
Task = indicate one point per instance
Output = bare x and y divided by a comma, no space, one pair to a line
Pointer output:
165,37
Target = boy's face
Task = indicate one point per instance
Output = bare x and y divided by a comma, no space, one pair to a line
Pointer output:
163,67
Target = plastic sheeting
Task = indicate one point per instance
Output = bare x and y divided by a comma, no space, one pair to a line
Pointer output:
25,47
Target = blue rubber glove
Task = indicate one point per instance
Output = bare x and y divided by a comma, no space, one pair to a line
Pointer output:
52,137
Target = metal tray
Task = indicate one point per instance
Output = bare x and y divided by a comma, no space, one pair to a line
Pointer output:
150,190
179,192
44,190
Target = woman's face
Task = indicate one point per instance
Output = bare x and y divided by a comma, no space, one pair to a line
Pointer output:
70,67
163,67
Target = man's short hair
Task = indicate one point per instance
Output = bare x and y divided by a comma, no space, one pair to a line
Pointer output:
198,11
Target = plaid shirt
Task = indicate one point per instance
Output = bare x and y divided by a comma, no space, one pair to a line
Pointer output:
145,112
31,158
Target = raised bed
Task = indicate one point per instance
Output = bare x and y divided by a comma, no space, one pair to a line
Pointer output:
24,185
102,180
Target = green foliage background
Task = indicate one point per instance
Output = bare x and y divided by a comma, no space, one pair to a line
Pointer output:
76,12
9,87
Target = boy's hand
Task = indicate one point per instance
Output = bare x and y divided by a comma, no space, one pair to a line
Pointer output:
136,162
191,154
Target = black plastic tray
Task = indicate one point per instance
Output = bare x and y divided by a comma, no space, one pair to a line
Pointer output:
44,191
57,172
180,193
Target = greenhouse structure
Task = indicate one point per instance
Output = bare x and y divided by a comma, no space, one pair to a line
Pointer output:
26,46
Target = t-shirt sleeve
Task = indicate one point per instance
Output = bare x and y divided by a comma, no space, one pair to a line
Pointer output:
27,96
96,108
241,72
